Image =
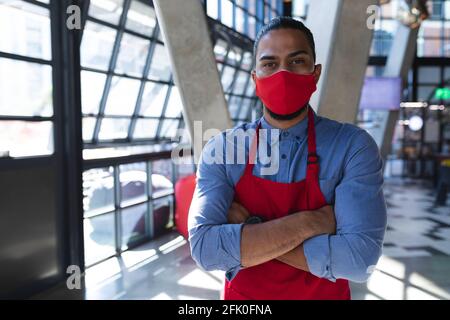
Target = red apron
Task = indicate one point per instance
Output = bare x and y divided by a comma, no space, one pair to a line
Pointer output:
274,280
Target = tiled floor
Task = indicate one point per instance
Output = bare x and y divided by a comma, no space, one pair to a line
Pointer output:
415,263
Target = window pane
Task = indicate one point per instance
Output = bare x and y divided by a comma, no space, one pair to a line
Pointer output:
247,61
447,27
106,10
132,55
153,99
234,56
267,14
227,78
429,75
122,97
447,10
160,67
99,238
162,168
241,82
145,129
240,20
133,224
430,29
250,92
141,18
251,27
447,73
219,67
25,88
424,92
114,129
25,29
227,13
169,128
174,104
25,139
446,48
429,48
97,46
88,128
92,86
220,50
133,179
98,191
212,7
233,106
162,215
245,108
252,6
274,4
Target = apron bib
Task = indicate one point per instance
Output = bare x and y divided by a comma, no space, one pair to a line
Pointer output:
274,280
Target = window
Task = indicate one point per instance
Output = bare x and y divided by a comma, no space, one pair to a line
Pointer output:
124,205
235,65
126,76
245,16
26,82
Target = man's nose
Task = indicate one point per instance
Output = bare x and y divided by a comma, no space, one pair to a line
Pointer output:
284,66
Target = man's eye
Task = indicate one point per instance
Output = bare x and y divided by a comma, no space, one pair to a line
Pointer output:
269,65
298,61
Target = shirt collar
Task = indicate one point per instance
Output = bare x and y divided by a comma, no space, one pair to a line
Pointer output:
298,131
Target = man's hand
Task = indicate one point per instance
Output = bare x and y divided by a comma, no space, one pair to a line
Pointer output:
322,220
237,214
272,239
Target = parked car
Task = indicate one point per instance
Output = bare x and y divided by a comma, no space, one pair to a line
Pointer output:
99,196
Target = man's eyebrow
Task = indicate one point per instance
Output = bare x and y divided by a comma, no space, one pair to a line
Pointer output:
290,55
296,53
264,57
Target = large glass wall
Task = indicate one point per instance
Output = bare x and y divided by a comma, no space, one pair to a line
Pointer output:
235,65
131,108
127,90
130,102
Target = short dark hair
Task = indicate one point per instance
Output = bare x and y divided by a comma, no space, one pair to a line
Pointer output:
284,23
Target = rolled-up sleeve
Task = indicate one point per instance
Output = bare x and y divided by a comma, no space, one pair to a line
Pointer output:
215,245
360,210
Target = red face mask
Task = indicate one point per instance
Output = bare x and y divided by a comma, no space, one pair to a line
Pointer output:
285,92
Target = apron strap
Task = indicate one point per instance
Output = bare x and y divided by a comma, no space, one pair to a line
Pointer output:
312,163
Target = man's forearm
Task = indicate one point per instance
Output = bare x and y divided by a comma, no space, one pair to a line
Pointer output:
266,241
295,258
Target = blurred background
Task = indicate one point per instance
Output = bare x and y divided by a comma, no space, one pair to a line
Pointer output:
89,119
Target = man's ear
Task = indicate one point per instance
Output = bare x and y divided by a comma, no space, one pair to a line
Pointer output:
317,72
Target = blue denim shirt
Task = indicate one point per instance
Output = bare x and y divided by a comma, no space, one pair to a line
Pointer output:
351,180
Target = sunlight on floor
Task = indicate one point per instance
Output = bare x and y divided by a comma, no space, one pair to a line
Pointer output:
390,281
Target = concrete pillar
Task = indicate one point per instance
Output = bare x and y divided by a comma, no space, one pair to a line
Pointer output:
185,32
399,63
343,42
